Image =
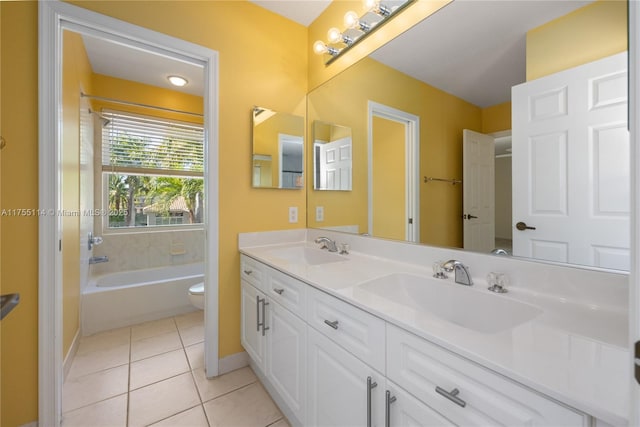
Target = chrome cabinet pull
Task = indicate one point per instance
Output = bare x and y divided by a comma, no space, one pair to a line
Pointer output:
333,324
248,272
370,386
387,410
451,395
264,311
278,291
258,313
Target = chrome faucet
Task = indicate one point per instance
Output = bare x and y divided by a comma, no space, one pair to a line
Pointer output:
327,243
98,259
461,271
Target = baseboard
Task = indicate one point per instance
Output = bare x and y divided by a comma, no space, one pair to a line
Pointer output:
233,362
68,360
31,424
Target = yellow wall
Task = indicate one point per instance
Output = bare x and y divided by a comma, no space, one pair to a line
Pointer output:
258,66
496,118
76,78
389,203
19,169
560,44
343,101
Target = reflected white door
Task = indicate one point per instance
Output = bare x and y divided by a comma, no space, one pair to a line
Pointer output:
335,164
571,166
478,180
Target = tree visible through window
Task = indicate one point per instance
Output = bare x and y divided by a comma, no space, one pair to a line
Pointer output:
154,170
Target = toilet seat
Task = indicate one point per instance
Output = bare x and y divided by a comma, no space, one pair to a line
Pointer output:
197,289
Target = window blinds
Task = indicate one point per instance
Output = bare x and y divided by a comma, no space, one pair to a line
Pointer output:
136,144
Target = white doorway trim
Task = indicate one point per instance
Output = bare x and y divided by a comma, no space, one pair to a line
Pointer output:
634,131
411,124
54,18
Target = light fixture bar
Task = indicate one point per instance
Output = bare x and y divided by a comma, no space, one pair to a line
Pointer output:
356,24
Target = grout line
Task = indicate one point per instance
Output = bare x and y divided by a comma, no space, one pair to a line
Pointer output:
177,413
232,391
276,421
93,403
129,377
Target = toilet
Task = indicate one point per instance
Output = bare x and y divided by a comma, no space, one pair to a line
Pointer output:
196,295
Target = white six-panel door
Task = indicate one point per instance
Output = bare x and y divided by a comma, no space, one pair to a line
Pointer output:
335,164
571,169
478,180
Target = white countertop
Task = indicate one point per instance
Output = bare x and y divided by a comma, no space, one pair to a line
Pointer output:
575,353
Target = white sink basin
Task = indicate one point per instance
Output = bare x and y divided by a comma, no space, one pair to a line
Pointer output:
469,308
308,256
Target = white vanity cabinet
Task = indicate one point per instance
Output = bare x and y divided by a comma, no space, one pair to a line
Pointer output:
274,337
466,393
331,363
342,390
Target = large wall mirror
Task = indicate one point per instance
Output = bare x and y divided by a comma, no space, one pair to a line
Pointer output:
277,149
522,142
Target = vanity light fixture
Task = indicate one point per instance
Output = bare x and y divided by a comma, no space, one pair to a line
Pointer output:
177,81
357,27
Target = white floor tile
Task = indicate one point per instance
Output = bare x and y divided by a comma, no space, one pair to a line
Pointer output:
104,340
190,319
92,388
95,361
195,354
153,328
192,334
193,417
158,344
158,368
212,388
248,406
161,400
107,413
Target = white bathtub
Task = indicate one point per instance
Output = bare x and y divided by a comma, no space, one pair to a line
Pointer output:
126,298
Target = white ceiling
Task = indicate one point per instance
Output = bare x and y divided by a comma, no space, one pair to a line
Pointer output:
129,63
301,11
473,49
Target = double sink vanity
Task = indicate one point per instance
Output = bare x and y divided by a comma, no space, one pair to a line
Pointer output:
368,337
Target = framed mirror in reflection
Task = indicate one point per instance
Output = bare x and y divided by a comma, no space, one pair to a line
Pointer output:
552,185
277,149
331,156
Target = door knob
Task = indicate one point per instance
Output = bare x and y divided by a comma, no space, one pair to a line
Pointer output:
523,226
468,216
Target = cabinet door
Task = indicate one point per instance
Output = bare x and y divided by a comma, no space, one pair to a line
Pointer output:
251,333
287,360
407,411
338,386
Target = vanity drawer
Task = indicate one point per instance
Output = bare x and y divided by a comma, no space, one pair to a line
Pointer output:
419,367
357,331
287,291
252,271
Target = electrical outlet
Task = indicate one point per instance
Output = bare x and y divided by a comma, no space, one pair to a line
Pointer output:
319,213
293,214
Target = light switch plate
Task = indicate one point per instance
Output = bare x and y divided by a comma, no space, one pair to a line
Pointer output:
293,214
319,213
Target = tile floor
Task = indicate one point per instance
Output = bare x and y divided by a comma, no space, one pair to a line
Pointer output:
153,374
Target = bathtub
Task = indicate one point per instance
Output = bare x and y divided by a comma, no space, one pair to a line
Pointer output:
126,298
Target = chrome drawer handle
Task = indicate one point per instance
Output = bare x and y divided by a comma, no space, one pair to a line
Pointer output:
333,324
370,386
278,291
248,272
387,410
451,395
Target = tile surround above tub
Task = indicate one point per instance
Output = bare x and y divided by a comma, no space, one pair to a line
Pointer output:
136,251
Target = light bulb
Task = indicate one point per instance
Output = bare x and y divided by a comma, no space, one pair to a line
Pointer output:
319,47
177,81
334,35
370,4
351,19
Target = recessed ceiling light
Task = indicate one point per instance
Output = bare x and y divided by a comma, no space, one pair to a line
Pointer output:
177,80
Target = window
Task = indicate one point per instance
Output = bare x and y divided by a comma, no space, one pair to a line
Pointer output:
153,171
